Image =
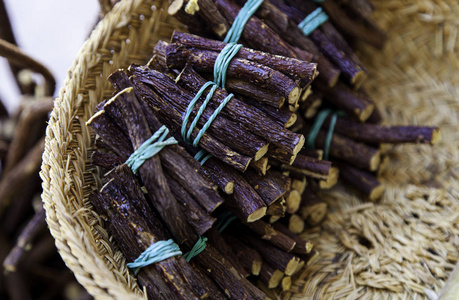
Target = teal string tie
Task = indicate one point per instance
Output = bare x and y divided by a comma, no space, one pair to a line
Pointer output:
221,65
224,220
317,125
222,62
157,252
235,32
312,21
197,248
202,156
150,148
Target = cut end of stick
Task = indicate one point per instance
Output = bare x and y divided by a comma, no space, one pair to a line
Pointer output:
311,111
377,193
256,267
366,113
257,215
286,283
375,162
229,188
293,201
275,279
260,165
317,213
261,152
299,267
174,7
436,136
220,30
192,7
291,121
292,266
332,179
298,146
296,224
294,96
359,77
306,92
299,185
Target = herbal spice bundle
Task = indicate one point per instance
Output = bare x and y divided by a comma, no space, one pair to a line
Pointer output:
277,27
174,207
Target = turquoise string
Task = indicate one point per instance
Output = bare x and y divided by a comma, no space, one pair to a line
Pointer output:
312,21
235,32
222,62
224,220
150,148
202,156
221,65
157,252
197,248
211,119
317,125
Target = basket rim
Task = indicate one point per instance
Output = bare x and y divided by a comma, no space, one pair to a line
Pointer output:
66,230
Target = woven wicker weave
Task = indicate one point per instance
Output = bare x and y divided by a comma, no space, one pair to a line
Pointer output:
397,248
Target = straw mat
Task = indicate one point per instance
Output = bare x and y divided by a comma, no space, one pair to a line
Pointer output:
396,248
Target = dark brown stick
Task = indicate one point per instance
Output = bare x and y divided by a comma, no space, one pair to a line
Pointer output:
195,214
291,67
364,182
301,246
377,134
111,134
223,247
354,104
309,166
204,60
248,257
357,154
368,33
26,168
268,233
270,276
14,55
283,261
270,187
244,201
106,160
34,227
6,33
283,116
30,118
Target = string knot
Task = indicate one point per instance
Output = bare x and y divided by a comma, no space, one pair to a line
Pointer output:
150,148
157,252
312,21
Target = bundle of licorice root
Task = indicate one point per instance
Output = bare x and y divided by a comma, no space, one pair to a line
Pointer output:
214,151
167,220
315,31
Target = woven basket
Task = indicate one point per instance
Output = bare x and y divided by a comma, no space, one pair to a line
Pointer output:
399,247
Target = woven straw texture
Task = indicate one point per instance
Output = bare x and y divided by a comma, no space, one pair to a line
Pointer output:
396,248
